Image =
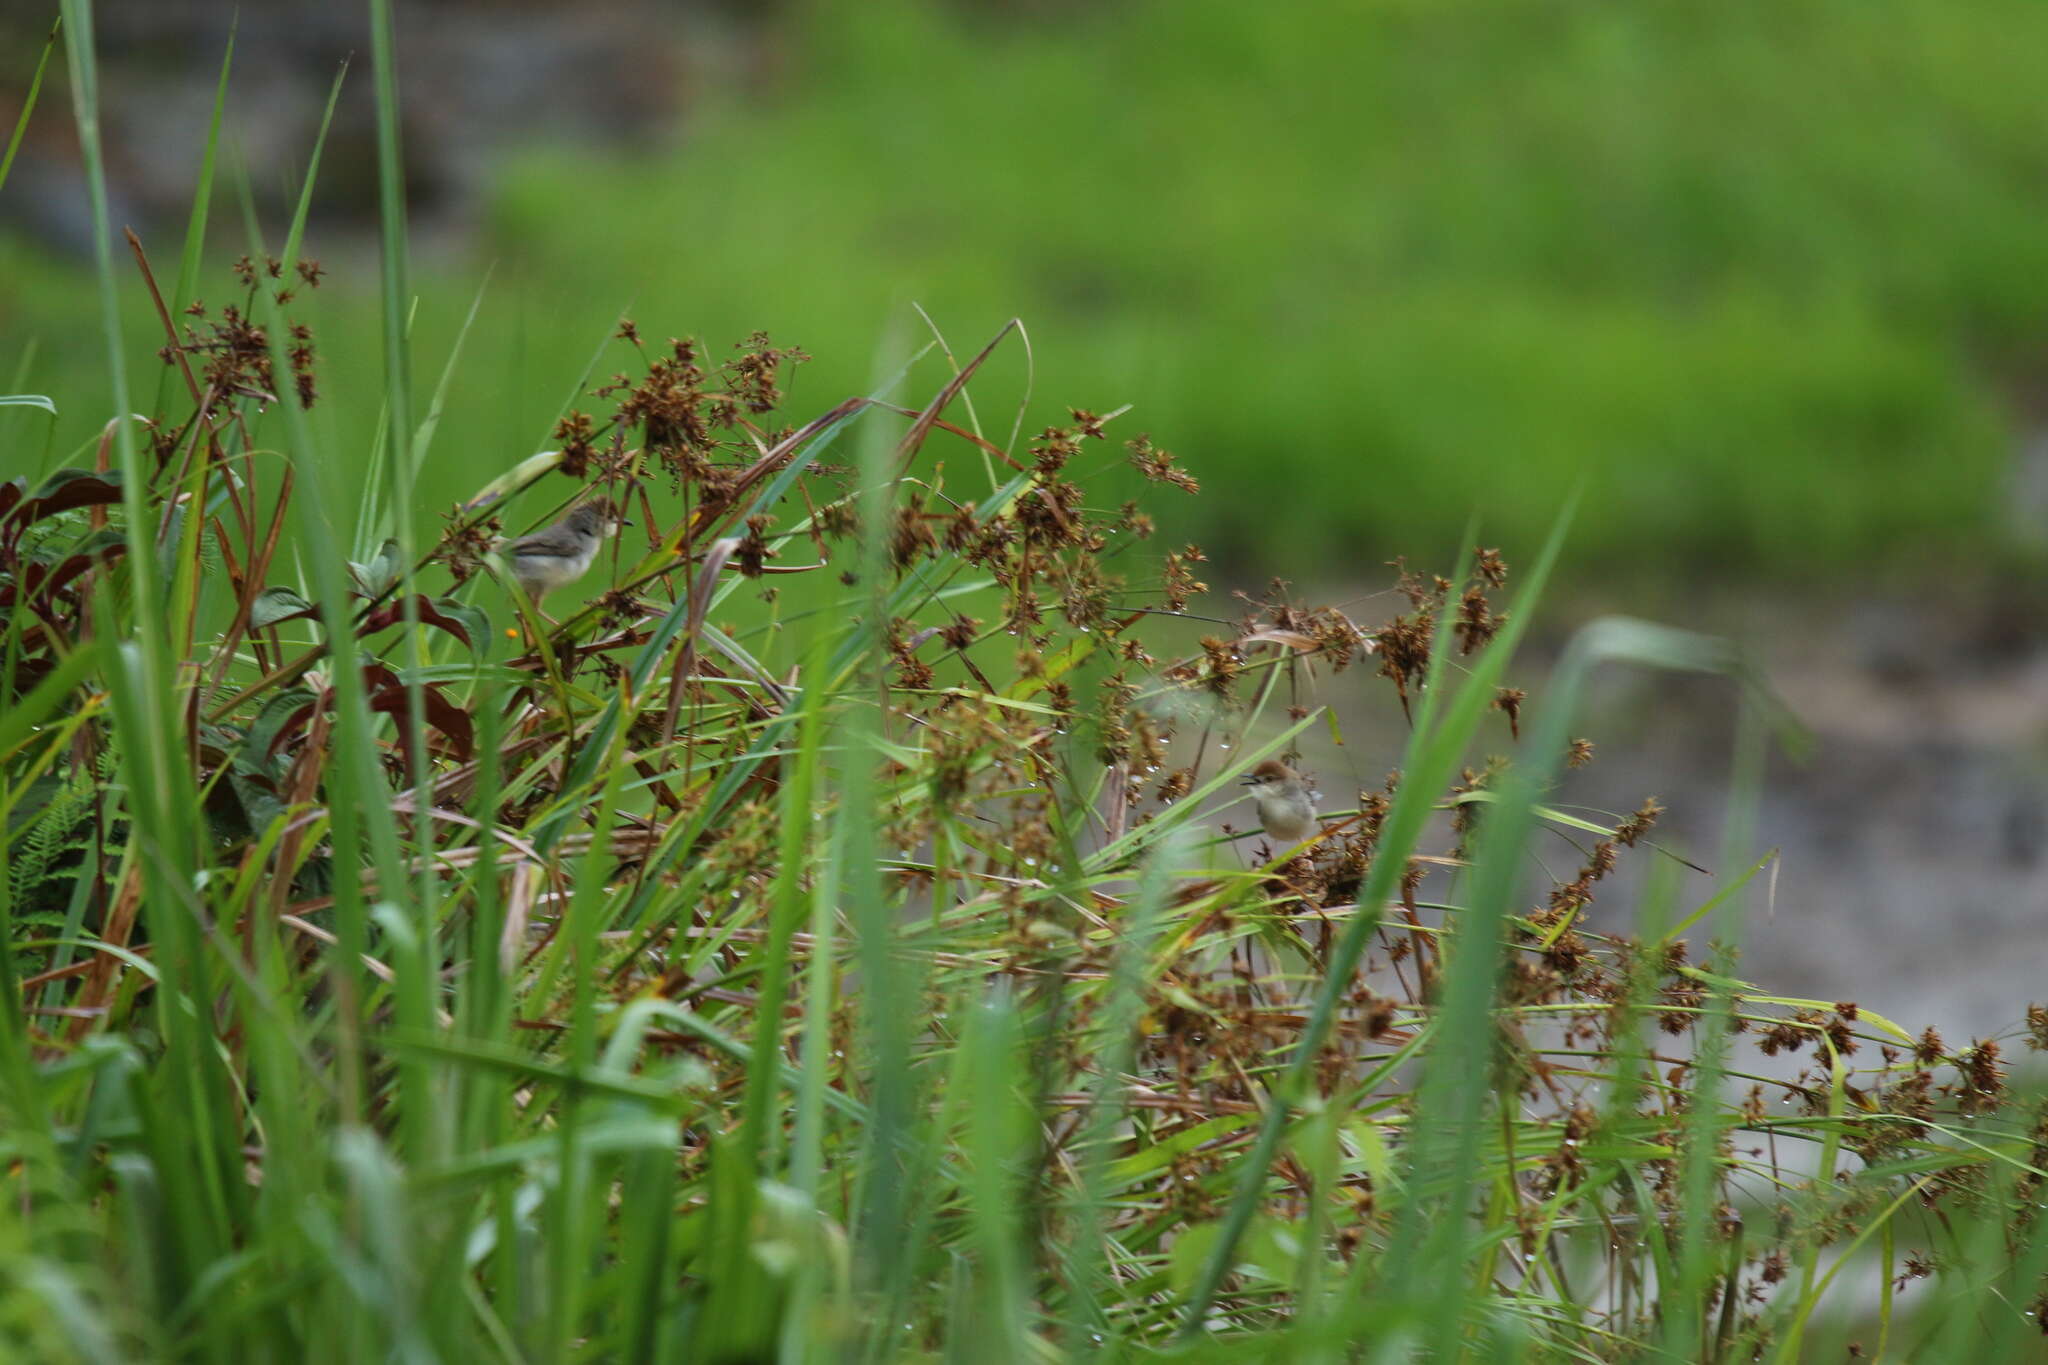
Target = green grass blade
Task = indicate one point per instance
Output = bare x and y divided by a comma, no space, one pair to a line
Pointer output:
28,101
189,257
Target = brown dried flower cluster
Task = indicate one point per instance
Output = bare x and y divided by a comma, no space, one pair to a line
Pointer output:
235,352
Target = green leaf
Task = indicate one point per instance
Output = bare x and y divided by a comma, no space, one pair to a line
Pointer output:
1159,1155
1372,1152
467,623
273,605
259,803
284,711
1267,1251
522,474
1190,1252
376,577
27,400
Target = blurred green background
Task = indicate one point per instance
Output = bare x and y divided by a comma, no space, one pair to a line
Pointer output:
1768,279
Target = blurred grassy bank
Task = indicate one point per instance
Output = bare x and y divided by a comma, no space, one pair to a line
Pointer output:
1769,278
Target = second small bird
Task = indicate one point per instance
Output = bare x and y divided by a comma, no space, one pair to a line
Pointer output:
556,556
1285,810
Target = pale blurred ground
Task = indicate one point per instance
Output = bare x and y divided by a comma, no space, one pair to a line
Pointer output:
1913,833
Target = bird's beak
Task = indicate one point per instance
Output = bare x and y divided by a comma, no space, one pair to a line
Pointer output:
1247,781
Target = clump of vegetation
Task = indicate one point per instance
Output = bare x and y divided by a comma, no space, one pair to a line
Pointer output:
828,942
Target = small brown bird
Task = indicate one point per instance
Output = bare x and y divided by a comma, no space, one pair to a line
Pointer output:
1285,810
556,556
